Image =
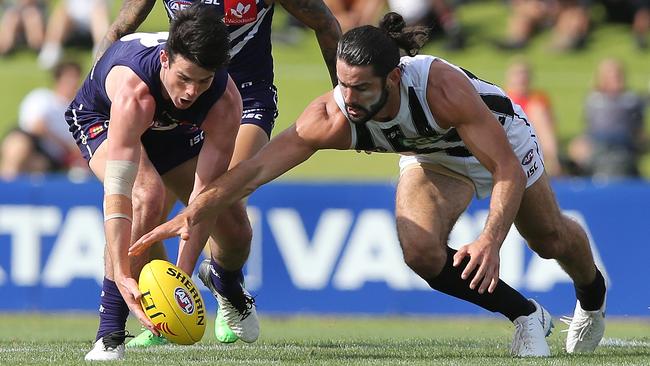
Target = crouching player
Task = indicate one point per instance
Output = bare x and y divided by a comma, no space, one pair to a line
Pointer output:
161,107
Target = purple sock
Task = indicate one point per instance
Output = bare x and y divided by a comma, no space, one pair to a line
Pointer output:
226,282
113,311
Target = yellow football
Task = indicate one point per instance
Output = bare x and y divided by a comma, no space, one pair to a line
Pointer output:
172,302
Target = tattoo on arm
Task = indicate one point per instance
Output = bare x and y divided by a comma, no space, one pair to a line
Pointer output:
131,15
317,16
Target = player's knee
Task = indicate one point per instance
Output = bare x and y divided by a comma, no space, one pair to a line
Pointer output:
240,234
425,258
547,244
147,202
234,229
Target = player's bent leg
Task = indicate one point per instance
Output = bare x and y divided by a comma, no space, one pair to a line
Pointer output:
429,202
554,235
223,273
147,210
427,207
250,139
236,306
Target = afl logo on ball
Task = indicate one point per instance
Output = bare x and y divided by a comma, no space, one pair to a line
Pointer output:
528,157
184,300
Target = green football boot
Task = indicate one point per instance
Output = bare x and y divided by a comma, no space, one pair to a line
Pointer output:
147,339
222,332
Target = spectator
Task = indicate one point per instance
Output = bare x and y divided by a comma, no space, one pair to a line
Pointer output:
635,12
537,106
437,15
353,13
41,142
73,18
568,18
25,15
613,142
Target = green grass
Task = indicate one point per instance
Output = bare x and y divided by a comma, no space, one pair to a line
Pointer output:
301,76
59,339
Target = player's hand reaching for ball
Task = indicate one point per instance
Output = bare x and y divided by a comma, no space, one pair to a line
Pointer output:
131,294
178,226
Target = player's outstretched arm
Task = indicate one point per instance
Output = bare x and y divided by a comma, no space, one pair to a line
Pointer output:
317,16
321,126
131,15
281,154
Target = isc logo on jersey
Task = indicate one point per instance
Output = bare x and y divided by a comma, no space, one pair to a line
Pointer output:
172,302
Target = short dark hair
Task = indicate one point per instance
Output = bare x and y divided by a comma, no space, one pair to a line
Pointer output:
380,46
200,36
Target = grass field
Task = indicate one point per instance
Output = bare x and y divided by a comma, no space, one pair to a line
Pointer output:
63,339
301,76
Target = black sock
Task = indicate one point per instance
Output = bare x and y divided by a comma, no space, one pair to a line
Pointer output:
504,299
592,296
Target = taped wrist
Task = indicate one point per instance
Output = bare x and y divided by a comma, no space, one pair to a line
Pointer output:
119,178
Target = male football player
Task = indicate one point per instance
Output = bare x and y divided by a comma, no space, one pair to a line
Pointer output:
459,136
159,111
251,68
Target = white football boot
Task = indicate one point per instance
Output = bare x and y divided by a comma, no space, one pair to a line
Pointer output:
239,313
108,348
586,329
531,332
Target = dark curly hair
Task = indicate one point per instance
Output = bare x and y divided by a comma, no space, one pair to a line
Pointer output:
380,46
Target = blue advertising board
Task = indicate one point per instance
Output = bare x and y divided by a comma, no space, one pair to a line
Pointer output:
319,248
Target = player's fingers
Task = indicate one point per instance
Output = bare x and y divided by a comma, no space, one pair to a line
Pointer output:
140,246
485,283
144,320
133,302
143,243
478,276
185,236
487,270
493,284
460,255
471,265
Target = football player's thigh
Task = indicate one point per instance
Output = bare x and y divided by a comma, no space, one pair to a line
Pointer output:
429,203
250,139
180,180
538,212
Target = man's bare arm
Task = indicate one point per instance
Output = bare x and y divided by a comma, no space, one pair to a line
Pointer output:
317,16
321,126
455,103
131,114
131,15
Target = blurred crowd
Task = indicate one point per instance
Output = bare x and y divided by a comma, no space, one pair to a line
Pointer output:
611,145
